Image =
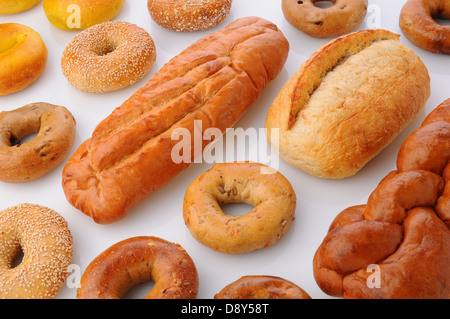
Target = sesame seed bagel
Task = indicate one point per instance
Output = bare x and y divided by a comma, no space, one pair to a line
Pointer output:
188,15
46,242
108,56
258,185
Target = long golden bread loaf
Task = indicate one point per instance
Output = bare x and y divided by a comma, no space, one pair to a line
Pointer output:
215,81
347,102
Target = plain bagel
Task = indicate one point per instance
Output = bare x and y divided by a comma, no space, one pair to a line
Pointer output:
108,56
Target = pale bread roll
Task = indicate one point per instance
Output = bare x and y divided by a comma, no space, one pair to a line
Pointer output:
347,102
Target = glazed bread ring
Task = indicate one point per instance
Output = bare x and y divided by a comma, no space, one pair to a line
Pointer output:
16,6
397,245
262,287
347,102
135,260
108,57
269,192
188,15
23,57
418,24
342,17
55,128
46,242
81,14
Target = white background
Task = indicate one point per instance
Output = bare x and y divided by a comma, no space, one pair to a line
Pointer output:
319,201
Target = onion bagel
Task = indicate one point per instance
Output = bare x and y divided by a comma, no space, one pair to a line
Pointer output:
262,287
269,192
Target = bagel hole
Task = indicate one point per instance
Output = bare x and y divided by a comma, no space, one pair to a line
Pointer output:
139,291
19,141
236,209
323,4
18,258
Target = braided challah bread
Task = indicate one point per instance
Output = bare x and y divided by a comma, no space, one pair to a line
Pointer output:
398,244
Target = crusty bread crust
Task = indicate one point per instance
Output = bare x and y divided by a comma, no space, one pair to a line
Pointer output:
332,140
214,80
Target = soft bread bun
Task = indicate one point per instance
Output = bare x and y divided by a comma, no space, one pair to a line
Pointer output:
347,102
73,15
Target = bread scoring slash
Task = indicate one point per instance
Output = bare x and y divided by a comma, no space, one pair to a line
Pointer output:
215,80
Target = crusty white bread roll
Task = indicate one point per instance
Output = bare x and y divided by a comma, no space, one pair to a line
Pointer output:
347,102
214,81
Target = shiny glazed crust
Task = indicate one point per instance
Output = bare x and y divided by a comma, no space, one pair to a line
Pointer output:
214,81
24,162
135,260
23,57
108,56
330,123
46,242
16,6
418,25
397,245
188,15
260,186
61,13
342,17
262,287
